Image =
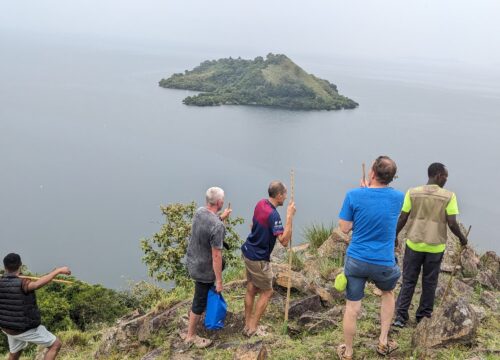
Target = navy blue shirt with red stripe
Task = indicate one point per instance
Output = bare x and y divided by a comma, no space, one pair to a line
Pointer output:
266,226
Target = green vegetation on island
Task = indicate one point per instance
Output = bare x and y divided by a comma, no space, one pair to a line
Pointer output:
275,81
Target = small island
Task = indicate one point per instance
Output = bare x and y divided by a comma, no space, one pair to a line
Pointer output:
275,81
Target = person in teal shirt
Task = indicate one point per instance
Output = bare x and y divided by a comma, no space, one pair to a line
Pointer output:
427,212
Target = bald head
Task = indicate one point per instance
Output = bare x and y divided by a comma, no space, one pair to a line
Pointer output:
384,169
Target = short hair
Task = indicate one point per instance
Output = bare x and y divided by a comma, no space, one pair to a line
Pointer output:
385,169
213,195
276,188
12,262
436,169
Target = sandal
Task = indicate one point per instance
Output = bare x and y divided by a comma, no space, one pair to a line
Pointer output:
385,350
341,352
197,341
260,331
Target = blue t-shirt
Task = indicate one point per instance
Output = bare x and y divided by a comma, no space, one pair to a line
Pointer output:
374,213
266,226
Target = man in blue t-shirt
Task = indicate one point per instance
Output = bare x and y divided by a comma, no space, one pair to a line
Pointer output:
257,249
371,212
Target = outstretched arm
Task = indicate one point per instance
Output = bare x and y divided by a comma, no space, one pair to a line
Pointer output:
44,280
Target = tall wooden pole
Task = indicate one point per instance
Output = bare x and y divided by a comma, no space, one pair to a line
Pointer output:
289,284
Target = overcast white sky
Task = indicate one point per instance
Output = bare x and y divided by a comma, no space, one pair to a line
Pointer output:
459,31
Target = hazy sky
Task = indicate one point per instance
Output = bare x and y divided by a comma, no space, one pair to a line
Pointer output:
454,31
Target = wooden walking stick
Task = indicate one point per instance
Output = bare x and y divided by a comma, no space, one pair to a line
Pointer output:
289,284
453,273
67,282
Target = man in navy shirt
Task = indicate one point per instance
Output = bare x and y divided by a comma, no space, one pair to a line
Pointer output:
371,212
266,227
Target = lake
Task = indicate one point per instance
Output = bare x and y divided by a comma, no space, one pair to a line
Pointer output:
90,146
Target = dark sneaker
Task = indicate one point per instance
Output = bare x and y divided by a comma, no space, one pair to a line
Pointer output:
399,323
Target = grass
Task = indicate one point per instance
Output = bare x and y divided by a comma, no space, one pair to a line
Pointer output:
297,261
327,265
316,234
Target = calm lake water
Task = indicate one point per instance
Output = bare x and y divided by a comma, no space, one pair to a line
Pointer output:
90,147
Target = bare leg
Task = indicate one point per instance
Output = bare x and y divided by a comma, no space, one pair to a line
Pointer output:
260,307
193,322
249,301
352,309
53,350
386,314
15,356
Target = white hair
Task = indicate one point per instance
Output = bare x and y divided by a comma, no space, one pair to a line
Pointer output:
214,194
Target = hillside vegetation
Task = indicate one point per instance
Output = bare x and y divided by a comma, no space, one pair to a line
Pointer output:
84,316
275,81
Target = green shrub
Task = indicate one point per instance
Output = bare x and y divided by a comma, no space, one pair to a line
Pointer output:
55,310
316,234
91,305
147,295
165,251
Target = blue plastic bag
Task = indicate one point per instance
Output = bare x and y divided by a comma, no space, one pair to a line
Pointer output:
216,310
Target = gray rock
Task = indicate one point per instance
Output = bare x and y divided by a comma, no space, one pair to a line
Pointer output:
300,306
487,279
335,245
153,355
457,288
252,351
131,331
456,322
491,261
489,299
480,311
469,261
315,322
299,282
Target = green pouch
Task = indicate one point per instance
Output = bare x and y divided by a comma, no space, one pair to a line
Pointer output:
340,282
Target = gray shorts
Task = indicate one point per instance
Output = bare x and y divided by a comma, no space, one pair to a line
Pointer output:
40,336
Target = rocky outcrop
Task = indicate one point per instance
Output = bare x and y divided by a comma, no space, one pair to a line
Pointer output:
455,322
469,262
335,245
314,322
252,351
300,283
301,306
488,280
128,334
457,289
489,299
491,261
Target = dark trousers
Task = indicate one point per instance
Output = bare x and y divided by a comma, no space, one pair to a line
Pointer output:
412,263
200,297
